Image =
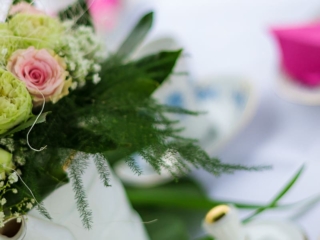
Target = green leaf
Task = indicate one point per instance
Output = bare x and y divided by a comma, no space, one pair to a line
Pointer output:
136,36
206,238
77,12
166,226
27,124
278,197
159,66
186,194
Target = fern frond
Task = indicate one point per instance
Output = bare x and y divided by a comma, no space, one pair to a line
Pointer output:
77,168
43,211
133,165
102,168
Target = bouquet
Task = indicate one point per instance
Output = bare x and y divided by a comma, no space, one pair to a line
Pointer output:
65,101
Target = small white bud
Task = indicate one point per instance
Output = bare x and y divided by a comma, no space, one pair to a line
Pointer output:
72,66
96,67
29,205
74,85
96,79
13,178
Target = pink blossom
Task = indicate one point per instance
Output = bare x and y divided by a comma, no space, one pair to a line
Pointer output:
24,8
43,72
104,13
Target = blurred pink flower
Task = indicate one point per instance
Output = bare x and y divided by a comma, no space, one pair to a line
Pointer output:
104,13
42,71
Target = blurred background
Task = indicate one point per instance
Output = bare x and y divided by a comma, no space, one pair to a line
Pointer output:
255,115
232,39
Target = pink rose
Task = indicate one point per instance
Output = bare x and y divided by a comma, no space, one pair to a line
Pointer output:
42,71
24,8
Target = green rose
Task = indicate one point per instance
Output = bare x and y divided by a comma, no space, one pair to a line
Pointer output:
41,31
15,101
23,31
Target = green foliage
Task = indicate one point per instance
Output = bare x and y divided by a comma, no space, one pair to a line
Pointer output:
102,168
18,1
78,13
108,121
160,65
206,238
184,194
27,124
136,36
278,197
175,207
167,226
44,174
77,166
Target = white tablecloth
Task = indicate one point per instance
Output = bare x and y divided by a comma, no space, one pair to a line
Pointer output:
232,37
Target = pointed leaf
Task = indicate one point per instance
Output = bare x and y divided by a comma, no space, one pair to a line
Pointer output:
159,66
278,197
136,36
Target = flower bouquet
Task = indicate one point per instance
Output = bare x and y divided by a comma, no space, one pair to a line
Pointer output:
65,101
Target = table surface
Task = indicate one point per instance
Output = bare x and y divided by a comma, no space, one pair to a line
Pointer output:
233,37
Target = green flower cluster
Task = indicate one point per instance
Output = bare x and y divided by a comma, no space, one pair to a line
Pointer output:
15,102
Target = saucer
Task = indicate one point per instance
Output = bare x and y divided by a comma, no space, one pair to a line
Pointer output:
273,230
297,93
229,103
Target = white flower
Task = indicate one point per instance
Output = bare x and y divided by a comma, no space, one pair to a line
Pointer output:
1,183
3,201
72,66
19,219
15,191
29,205
33,201
96,67
74,86
13,178
96,79
20,160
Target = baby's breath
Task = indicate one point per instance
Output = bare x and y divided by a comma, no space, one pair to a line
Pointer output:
82,51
